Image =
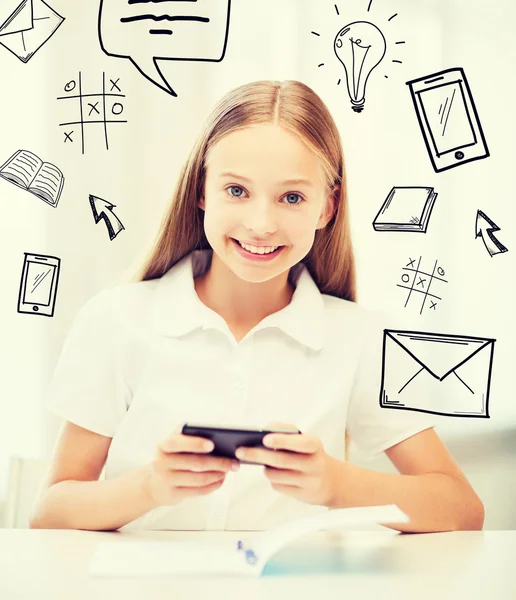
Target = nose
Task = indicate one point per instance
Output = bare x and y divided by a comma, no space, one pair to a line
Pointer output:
260,217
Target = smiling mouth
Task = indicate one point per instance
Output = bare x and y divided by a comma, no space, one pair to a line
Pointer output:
276,248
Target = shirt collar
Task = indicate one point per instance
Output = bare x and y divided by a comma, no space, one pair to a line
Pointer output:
178,310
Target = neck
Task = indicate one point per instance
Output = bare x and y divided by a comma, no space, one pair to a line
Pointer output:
240,302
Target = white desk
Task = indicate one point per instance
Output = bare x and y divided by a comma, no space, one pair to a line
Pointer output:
53,564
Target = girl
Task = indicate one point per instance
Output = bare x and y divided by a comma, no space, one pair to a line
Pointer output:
244,313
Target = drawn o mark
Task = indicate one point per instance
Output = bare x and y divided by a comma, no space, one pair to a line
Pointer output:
405,278
440,271
70,86
121,108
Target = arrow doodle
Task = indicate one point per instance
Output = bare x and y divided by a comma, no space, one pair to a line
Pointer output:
484,228
102,209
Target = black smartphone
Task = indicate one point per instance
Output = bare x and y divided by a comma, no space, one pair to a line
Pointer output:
227,439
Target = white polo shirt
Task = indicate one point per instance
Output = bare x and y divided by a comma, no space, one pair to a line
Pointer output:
143,357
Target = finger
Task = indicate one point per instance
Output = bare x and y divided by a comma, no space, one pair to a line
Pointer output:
185,443
284,476
194,462
190,479
305,444
187,492
279,459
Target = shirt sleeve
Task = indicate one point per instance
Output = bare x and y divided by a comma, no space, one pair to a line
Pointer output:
371,427
87,387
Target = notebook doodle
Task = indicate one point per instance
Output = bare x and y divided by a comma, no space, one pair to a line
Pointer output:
448,119
102,209
485,229
98,109
360,47
436,373
26,26
147,32
38,285
406,209
29,172
418,281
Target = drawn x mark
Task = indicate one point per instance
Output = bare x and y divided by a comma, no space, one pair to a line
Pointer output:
93,108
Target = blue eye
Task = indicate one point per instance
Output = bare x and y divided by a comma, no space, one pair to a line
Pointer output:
235,187
293,195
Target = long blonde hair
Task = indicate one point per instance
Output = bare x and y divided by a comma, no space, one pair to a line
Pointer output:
297,108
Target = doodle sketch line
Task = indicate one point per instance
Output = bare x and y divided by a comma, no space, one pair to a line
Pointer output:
39,279
81,112
425,273
413,281
88,96
406,287
463,382
413,377
428,288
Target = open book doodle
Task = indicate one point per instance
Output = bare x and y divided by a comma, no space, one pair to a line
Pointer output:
246,557
29,172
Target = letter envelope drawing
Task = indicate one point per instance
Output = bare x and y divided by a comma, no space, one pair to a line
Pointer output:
436,373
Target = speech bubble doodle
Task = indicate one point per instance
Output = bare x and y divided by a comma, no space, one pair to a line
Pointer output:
145,32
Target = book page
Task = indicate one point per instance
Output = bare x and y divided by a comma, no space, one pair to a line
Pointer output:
134,558
267,543
21,168
131,558
48,183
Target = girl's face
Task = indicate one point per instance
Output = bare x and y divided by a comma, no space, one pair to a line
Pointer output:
266,188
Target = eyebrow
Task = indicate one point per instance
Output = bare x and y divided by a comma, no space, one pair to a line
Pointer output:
297,181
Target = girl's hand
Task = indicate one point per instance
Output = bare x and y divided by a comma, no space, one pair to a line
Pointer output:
297,466
181,470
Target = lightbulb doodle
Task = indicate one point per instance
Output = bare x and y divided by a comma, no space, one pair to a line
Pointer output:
98,109
360,47
419,282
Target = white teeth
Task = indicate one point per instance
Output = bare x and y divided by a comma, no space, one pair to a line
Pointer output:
260,249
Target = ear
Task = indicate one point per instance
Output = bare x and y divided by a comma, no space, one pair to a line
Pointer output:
201,203
329,208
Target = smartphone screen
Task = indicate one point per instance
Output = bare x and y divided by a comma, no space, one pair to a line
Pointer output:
447,117
40,279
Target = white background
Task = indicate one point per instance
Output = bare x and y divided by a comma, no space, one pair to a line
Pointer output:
269,39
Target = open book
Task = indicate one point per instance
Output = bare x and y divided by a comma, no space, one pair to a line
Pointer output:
241,558
29,172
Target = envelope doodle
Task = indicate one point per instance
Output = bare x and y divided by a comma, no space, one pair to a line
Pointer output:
436,373
26,25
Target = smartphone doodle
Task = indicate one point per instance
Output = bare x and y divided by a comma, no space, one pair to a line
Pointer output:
448,119
38,286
